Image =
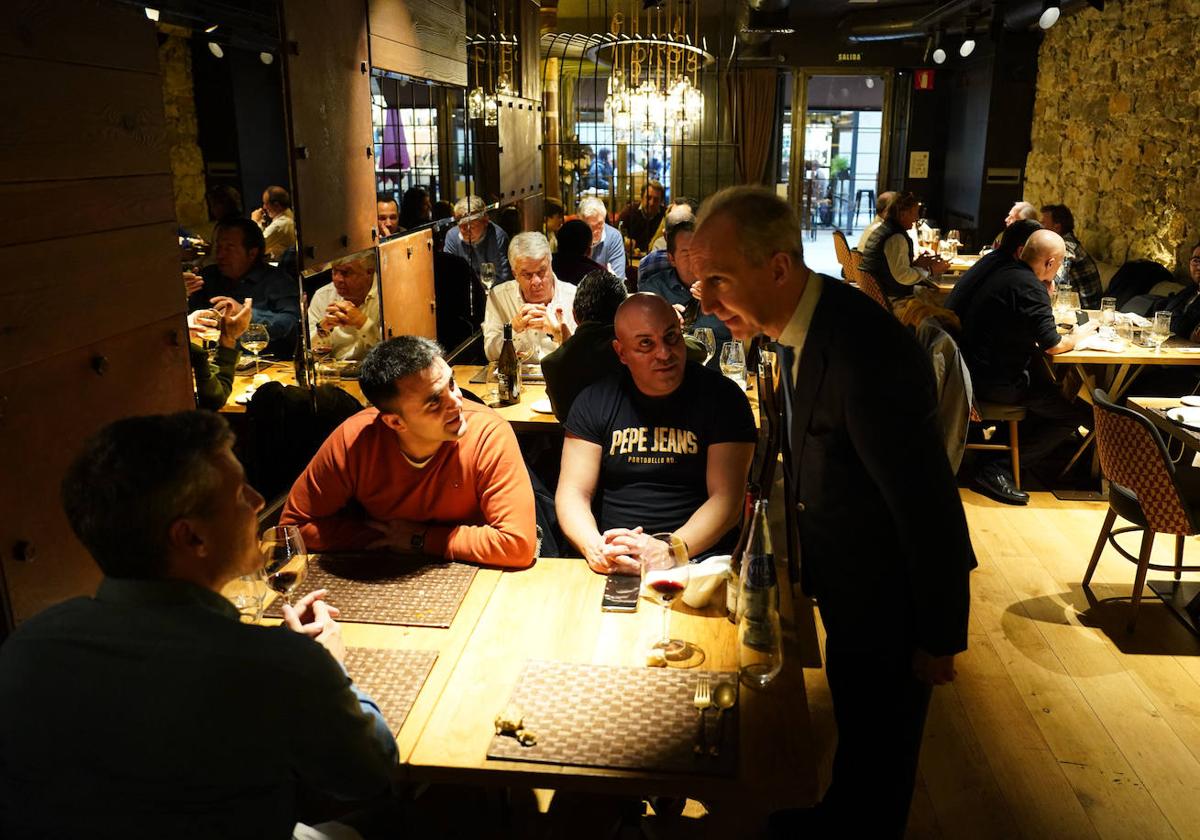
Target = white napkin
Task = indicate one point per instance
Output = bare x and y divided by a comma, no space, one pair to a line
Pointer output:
1132,318
704,578
1107,345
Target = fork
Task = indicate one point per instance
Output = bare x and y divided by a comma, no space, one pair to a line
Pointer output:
702,701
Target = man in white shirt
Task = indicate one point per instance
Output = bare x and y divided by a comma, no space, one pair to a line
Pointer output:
277,221
540,309
344,314
888,253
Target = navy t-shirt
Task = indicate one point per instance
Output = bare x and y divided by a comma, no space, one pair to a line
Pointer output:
654,450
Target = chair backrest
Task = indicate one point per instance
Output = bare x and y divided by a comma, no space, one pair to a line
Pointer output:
1132,454
842,248
873,290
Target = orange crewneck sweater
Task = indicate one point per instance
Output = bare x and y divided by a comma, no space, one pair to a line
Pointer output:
474,493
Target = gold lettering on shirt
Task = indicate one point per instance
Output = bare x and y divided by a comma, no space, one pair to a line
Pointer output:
659,439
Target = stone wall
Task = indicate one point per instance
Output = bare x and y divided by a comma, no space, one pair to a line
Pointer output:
179,105
1116,133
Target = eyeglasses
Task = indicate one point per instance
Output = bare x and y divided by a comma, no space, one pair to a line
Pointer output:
1195,260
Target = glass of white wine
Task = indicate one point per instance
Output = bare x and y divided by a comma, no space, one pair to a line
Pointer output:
705,336
255,340
487,276
1161,330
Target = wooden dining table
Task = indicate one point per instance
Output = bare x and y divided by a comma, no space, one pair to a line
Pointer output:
551,611
1115,372
283,372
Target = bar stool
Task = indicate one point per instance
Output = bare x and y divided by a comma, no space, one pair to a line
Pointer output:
858,196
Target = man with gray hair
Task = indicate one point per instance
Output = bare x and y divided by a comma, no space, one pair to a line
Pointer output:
477,239
608,246
343,317
539,307
881,208
866,483
1020,211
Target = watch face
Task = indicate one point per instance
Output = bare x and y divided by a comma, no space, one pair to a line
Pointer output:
417,542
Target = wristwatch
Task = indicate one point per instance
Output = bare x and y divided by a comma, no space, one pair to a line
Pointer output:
417,541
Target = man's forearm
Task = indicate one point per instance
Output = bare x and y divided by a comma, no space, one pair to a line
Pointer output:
711,521
577,521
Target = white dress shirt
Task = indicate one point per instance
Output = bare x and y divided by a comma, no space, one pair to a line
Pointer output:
280,234
348,342
905,273
505,301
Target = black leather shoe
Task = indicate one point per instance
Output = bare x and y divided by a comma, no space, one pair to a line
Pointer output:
993,480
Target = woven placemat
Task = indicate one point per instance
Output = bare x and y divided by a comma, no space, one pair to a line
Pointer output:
384,589
629,718
393,678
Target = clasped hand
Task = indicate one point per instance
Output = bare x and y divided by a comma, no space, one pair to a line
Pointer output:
537,316
620,551
343,313
312,617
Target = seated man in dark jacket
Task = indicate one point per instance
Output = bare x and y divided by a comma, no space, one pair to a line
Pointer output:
242,272
1011,242
588,355
571,262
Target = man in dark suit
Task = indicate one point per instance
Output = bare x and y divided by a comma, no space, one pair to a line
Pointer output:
883,539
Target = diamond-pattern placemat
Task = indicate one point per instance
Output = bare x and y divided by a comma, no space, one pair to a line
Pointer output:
629,718
384,589
393,678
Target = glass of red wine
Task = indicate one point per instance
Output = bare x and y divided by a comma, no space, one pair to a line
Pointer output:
665,571
285,559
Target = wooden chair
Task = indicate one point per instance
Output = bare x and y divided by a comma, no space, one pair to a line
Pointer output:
1144,488
987,412
873,290
842,248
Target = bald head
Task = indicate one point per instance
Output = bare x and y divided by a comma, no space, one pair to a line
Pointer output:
649,341
1043,252
884,202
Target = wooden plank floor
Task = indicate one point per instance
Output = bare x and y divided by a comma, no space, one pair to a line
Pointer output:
1060,724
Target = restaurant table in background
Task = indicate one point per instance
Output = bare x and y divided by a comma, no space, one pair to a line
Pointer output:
1181,597
522,415
283,372
1115,372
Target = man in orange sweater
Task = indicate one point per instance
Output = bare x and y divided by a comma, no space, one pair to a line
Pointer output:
420,473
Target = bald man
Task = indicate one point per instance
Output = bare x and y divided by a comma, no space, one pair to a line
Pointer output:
668,442
1008,315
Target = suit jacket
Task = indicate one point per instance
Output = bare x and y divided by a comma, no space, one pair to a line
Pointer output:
883,537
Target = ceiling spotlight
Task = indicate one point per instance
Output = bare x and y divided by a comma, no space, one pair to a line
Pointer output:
939,53
968,47
1050,14
152,14
870,83
215,49
266,58
208,30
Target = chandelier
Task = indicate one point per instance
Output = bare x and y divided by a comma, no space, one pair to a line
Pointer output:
495,50
653,90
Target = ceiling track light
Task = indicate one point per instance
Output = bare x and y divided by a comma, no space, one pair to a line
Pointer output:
968,43
208,30
266,57
215,49
939,52
1050,14
152,13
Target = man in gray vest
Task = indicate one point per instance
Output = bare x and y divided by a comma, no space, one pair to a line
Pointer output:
888,253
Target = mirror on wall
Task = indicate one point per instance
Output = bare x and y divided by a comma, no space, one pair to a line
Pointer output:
342,315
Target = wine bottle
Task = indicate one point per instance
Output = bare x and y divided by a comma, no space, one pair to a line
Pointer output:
691,312
760,637
733,580
508,370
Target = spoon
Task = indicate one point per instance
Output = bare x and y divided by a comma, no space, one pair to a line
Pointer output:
724,698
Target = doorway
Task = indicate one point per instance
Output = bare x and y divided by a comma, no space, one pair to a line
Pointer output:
836,154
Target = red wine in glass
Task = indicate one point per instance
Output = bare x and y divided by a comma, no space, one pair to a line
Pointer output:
667,589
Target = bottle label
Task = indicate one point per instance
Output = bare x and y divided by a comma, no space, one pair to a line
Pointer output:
760,571
504,388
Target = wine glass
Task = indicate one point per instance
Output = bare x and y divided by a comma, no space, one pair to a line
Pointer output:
705,336
285,559
1161,330
247,594
487,276
255,340
733,362
665,568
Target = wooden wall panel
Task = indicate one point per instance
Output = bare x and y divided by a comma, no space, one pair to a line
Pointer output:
329,107
406,286
91,309
422,38
80,289
39,210
92,33
531,77
79,121
49,409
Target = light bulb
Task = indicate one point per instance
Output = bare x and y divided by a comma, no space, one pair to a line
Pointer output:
939,56
968,47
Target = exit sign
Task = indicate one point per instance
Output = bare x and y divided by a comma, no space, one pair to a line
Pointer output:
849,57
923,80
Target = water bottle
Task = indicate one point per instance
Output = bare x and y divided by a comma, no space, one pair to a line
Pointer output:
760,638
